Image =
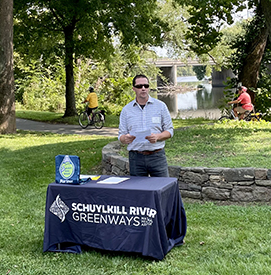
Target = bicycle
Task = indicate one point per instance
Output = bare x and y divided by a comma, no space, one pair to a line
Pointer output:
249,116
98,119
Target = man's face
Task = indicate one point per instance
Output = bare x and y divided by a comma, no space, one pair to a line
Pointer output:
142,92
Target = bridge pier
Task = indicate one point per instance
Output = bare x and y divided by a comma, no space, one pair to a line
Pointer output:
218,78
171,102
170,74
169,71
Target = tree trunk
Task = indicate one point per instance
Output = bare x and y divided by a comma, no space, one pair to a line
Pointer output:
266,8
69,49
249,75
7,99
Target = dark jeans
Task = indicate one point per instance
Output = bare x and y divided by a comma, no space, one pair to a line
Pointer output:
154,165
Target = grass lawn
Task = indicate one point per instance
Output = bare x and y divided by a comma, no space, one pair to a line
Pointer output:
221,239
232,144
229,144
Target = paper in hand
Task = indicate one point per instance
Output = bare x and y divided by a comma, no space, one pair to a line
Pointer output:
141,136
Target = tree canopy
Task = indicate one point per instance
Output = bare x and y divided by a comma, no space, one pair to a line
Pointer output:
101,31
208,18
91,28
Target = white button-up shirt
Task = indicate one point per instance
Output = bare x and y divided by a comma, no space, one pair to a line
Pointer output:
154,117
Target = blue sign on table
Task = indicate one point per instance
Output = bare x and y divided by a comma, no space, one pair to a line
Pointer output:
67,169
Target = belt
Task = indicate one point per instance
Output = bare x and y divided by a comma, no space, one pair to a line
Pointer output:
147,153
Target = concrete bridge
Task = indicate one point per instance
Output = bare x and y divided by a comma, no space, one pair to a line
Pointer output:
169,67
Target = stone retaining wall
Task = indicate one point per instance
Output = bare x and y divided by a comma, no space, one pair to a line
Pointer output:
208,184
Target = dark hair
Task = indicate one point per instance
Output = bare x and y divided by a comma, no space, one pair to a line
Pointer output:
91,89
139,76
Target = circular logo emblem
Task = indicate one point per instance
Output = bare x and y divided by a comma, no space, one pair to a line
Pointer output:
66,170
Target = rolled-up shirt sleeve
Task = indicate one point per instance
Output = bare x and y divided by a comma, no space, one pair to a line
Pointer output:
167,121
123,129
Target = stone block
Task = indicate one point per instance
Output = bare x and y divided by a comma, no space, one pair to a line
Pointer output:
105,172
174,171
215,178
245,183
214,171
260,174
185,169
119,161
212,193
200,170
242,194
189,186
116,171
220,184
262,194
239,174
106,157
108,168
191,177
263,182
269,174
190,194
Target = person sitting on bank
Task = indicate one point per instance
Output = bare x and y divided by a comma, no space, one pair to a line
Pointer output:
92,98
145,124
243,101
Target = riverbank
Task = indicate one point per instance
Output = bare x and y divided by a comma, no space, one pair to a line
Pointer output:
207,114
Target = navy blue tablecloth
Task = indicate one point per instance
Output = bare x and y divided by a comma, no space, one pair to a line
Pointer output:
142,214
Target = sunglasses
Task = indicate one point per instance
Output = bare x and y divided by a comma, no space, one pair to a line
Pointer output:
139,86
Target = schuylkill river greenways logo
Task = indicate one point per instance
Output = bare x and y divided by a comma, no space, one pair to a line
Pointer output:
66,168
59,208
105,214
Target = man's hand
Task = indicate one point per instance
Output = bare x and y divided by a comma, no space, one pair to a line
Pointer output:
127,139
153,138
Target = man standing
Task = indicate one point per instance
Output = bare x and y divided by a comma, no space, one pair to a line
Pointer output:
145,124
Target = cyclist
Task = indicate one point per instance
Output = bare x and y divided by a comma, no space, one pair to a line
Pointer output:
92,98
243,101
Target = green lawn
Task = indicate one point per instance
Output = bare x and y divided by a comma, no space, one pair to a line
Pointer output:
220,239
229,144
228,240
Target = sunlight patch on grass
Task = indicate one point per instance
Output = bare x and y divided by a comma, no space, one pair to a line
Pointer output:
222,145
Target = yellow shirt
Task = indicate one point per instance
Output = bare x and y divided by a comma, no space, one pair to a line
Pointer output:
93,100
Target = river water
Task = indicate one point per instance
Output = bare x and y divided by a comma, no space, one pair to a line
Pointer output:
199,100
